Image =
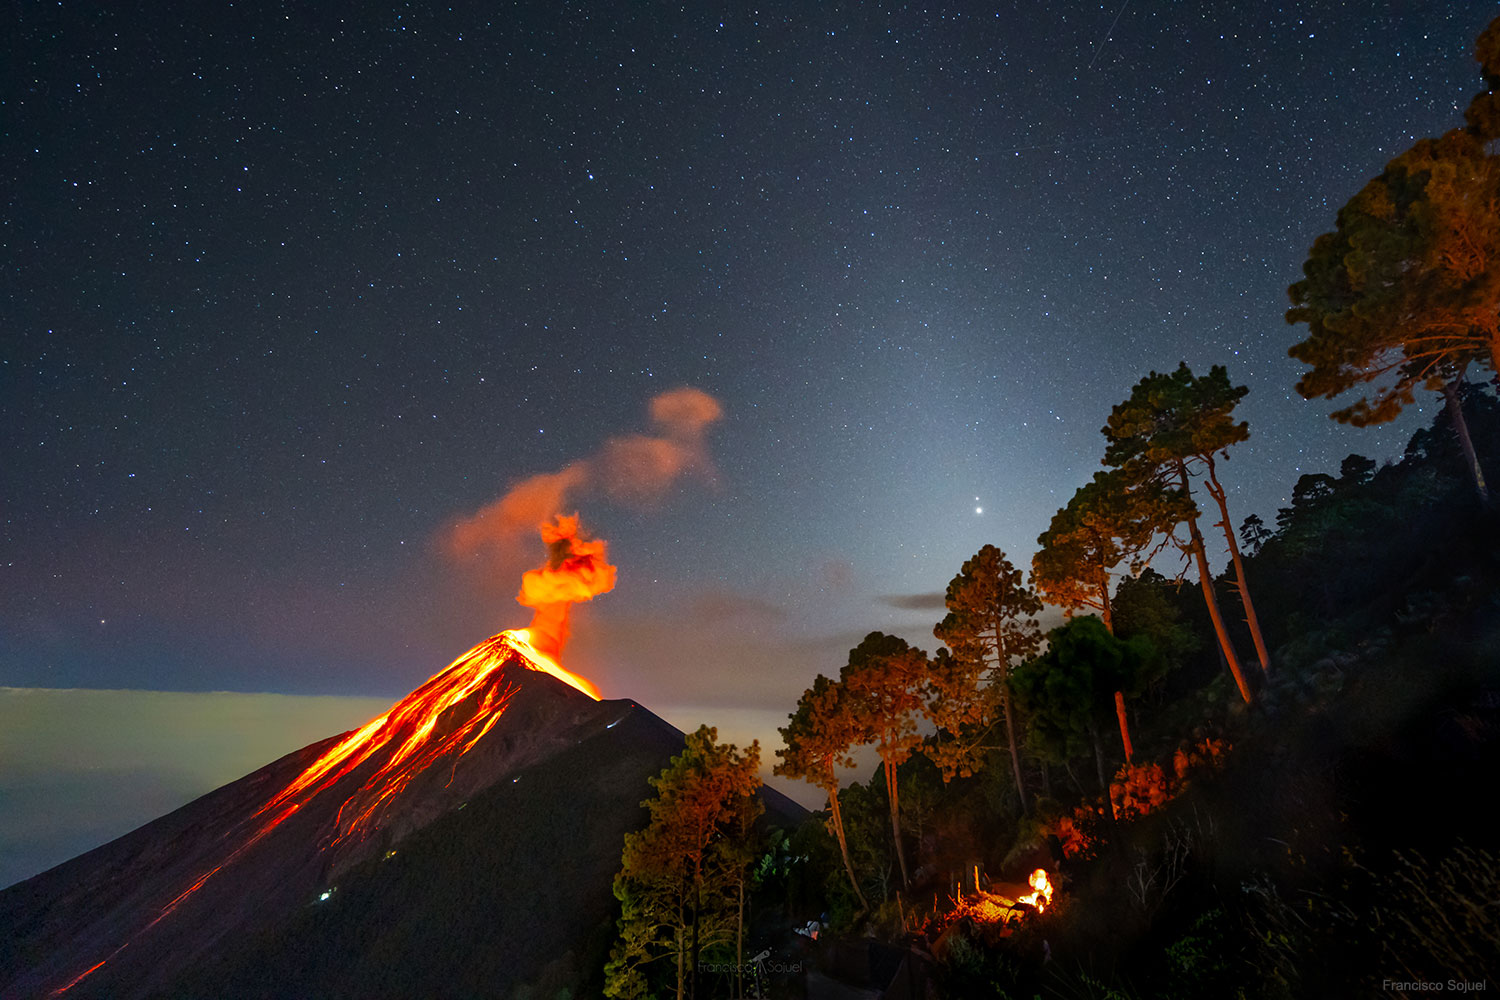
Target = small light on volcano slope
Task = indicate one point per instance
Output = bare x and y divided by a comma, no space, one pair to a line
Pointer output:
411,740
439,722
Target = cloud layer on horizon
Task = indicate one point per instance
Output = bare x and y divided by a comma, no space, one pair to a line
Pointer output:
163,748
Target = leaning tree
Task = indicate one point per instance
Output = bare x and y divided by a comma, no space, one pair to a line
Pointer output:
1404,294
1172,426
819,739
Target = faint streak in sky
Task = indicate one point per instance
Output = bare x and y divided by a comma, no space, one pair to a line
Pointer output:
1108,33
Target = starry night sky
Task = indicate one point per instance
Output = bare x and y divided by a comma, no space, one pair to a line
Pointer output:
290,289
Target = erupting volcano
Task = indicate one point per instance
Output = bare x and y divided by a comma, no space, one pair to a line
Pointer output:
129,918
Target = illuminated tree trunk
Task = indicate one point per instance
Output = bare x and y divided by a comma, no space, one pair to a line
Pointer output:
838,828
1217,492
1109,625
1106,612
1207,581
1015,753
1461,431
1124,726
1003,671
1205,578
890,788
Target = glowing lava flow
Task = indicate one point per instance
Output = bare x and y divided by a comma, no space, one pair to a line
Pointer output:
418,731
423,728
412,732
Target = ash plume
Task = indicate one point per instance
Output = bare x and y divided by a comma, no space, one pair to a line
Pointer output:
577,569
637,469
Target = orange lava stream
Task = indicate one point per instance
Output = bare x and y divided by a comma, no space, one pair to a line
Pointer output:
520,640
409,729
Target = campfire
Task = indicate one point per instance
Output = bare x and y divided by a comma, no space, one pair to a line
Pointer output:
995,908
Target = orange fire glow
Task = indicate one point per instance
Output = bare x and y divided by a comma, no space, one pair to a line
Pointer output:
423,729
576,570
991,908
419,731
1041,894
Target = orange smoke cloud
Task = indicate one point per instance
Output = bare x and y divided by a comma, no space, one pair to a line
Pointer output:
529,503
576,570
637,469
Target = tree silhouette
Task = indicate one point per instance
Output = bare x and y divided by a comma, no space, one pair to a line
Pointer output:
886,679
818,739
989,623
1405,292
1170,424
677,874
1104,524
1068,691
1254,533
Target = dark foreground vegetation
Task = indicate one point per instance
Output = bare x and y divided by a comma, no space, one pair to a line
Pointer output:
1274,782
1330,837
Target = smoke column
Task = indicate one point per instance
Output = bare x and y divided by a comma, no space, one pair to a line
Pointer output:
576,570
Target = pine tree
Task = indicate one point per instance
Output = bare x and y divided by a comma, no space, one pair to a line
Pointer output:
819,738
1405,292
677,876
989,624
1171,425
886,679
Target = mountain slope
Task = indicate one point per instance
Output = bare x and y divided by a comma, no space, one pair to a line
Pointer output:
183,894
479,902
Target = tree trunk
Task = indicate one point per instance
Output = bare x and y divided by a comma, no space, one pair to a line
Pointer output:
838,828
1077,785
1217,492
890,787
1205,578
1099,767
1106,612
739,942
1015,751
1461,431
681,968
1109,626
697,905
1002,676
1124,726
